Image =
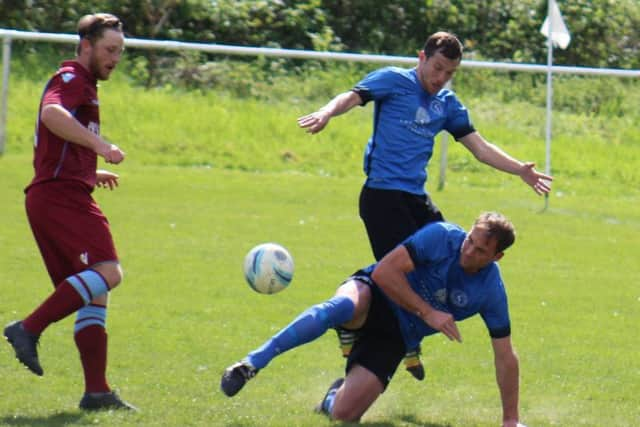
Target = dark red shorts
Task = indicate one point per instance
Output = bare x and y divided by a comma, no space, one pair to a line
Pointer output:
70,229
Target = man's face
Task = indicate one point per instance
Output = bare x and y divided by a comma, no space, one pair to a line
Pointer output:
478,250
105,54
434,72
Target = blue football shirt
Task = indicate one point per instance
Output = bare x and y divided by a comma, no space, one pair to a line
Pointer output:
406,120
439,280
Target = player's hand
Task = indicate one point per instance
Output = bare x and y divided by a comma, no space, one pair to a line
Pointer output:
540,182
314,122
111,153
443,322
106,179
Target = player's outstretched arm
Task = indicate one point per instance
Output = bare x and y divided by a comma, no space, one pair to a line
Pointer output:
495,157
390,275
316,121
508,379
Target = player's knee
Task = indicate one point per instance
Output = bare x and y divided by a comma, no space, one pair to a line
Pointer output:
102,300
346,409
115,276
112,273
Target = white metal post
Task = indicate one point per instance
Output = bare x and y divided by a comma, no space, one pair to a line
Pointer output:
6,60
547,168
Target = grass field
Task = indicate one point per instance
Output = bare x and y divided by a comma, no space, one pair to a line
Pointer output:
183,220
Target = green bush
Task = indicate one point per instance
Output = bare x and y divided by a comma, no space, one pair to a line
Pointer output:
604,32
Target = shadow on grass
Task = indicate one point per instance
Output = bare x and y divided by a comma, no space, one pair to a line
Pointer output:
403,420
61,419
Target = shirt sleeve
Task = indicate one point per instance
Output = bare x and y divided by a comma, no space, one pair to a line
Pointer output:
496,310
66,89
458,122
428,244
376,85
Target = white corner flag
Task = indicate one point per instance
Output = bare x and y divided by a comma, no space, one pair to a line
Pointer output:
557,34
560,35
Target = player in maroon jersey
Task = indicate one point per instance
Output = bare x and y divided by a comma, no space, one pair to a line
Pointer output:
71,231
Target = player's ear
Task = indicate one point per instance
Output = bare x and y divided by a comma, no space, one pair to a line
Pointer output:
85,45
498,256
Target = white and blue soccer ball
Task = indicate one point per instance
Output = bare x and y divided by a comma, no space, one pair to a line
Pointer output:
268,268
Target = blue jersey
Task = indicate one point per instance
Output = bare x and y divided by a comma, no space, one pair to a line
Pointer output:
439,280
406,120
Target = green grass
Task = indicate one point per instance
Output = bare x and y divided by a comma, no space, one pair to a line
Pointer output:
208,176
183,312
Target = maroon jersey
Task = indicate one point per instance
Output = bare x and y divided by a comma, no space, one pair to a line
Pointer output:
74,88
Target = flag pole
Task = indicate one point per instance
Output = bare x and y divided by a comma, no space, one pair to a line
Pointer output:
549,99
556,31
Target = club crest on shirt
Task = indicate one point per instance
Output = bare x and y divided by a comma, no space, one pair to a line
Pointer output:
437,107
459,298
94,127
67,77
84,258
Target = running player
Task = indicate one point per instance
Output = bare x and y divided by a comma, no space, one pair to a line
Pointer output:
71,231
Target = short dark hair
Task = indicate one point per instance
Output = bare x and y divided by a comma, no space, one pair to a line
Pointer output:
498,227
445,43
93,26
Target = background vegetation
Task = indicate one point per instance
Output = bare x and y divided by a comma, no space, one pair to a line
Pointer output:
604,32
248,123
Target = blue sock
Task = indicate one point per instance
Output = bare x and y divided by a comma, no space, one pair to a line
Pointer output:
90,315
89,284
327,403
308,326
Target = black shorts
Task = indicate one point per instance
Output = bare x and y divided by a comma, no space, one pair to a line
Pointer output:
390,216
379,347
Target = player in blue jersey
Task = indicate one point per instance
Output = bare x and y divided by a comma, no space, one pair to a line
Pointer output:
437,276
411,107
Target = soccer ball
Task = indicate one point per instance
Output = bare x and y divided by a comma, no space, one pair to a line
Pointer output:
268,268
